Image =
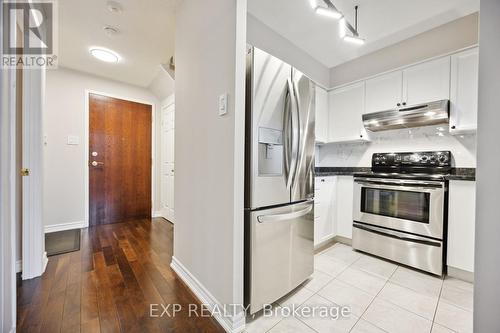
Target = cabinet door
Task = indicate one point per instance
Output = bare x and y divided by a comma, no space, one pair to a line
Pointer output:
461,224
463,92
344,202
324,205
321,126
384,92
345,117
427,82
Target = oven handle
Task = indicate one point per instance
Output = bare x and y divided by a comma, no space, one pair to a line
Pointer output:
401,186
400,181
397,235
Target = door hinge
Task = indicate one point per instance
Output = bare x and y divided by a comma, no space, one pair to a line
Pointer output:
25,172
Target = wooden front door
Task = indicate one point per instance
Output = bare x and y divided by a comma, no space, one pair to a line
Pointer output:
119,160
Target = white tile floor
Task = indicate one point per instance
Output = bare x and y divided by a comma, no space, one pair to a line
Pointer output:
383,297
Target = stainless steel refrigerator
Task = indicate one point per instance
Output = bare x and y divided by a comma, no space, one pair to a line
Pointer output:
279,179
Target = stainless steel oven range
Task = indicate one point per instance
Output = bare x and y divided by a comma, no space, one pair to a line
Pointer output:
400,208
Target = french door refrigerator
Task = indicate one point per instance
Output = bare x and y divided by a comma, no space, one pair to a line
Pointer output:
279,179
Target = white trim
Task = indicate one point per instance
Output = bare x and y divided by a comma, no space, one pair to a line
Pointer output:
19,266
33,241
64,226
86,145
447,54
7,196
156,213
460,274
233,324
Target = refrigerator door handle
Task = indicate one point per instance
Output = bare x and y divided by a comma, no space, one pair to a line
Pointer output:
297,129
290,135
284,217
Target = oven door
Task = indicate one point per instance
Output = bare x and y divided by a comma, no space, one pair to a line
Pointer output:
413,206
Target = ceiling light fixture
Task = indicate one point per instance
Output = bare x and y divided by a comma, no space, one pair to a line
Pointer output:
104,54
354,40
328,12
344,25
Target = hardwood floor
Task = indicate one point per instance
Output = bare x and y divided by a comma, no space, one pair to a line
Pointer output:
109,284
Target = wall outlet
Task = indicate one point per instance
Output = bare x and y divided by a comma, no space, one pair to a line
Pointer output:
73,140
223,104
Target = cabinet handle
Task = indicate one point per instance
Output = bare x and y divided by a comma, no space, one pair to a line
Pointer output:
453,127
322,180
404,103
361,136
399,104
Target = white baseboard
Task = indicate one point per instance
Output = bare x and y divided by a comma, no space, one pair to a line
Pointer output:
156,214
19,266
460,274
64,226
235,324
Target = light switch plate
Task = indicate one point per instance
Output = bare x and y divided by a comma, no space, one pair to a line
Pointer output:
73,140
222,104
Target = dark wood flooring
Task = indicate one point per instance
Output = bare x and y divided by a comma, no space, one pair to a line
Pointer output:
109,284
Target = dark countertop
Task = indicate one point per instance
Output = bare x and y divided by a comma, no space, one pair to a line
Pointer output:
456,173
339,171
462,174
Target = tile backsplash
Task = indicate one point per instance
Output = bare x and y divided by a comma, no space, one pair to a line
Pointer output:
462,147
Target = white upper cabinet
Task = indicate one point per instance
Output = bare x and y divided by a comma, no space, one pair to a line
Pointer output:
427,82
321,121
384,92
464,90
347,106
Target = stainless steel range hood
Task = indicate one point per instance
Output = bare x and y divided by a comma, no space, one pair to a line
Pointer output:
418,115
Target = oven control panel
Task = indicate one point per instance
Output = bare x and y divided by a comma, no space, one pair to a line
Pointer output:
427,159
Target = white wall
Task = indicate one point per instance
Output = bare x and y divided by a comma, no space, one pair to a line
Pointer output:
64,185
209,149
462,147
162,84
487,270
263,37
447,38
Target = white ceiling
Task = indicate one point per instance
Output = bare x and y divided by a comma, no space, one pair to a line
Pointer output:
145,40
380,22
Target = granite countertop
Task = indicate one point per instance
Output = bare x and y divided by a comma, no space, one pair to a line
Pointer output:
456,173
339,171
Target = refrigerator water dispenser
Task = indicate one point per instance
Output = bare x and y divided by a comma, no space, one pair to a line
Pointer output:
270,152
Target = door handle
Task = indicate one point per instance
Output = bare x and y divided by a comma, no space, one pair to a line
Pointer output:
95,163
283,217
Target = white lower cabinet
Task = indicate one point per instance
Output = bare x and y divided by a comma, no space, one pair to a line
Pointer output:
333,208
345,191
324,209
461,224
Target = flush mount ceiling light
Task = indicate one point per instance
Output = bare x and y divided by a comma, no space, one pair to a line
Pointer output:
104,54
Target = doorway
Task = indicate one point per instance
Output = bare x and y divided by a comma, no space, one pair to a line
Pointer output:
167,161
120,159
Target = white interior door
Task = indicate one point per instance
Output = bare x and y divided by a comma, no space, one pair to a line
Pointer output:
167,162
